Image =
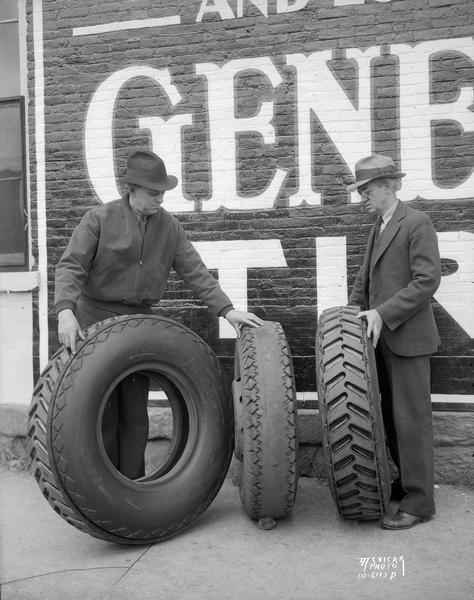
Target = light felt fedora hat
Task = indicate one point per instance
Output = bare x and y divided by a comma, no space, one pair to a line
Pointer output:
147,169
373,167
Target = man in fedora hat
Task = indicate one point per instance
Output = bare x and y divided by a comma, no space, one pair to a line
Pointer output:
400,273
117,263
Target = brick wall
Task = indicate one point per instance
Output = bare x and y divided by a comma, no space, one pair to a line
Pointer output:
261,117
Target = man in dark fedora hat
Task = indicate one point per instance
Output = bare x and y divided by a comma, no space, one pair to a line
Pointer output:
400,273
117,263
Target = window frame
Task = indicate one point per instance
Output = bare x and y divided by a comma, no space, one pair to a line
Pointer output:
25,266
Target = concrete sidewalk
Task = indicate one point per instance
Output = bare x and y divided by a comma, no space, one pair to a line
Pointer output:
314,555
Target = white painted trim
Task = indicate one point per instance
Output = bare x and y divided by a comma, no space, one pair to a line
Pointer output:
450,398
22,29
21,281
124,25
312,396
306,396
453,398
347,2
40,181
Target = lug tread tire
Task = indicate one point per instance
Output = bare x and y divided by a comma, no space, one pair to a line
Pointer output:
349,407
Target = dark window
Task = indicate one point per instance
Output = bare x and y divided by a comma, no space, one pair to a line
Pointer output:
12,185
13,219
9,59
8,10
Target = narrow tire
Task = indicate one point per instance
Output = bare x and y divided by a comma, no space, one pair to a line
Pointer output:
264,394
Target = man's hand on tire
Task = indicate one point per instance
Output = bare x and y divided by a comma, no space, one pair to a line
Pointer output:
237,318
69,329
374,324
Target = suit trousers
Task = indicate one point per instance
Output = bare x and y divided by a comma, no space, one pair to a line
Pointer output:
406,406
125,417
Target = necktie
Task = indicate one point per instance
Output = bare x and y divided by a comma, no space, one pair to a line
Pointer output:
378,227
142,225
373,249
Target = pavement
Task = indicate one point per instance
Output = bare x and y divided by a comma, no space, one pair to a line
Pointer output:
312,555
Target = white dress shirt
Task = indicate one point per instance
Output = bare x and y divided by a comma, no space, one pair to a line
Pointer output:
387,215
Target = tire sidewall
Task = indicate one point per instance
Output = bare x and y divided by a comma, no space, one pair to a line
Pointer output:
92,483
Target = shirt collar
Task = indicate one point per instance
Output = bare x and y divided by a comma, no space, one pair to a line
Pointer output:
388,214
138,215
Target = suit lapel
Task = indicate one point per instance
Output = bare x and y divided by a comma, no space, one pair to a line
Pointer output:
388,234
368,254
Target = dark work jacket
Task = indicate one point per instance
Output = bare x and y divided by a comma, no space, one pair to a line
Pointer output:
399,281
107,259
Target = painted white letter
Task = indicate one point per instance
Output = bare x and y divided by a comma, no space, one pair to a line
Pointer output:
349,2
456,291
262,6
232,259
417,115
220,6
348,127
166,142
331,272
223,127
284,6
98,137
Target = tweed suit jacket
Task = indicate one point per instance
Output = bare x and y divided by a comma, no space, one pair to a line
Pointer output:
399,275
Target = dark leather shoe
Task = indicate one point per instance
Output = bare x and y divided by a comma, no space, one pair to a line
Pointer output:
401,520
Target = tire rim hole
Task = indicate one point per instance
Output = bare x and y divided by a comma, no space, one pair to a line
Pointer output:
166,435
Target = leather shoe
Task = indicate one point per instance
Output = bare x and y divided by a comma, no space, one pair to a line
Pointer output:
401,520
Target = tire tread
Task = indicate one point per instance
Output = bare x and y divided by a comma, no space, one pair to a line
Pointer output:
45,444
349,407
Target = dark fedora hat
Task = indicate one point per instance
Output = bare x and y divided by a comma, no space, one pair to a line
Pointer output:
373,167
147,169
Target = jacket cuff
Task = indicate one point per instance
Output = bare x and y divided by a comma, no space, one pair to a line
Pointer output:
225,310
63,304
392,325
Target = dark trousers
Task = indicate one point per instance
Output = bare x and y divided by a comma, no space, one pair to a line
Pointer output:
125,425
406,405
125,418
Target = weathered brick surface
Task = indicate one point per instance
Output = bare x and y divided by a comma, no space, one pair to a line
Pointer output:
75,66
454,444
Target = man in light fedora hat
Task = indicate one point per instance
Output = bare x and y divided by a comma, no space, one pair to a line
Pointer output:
400,273
117,263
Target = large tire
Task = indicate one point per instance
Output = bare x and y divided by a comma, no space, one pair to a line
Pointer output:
238,407
69,460
351,416
266,441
